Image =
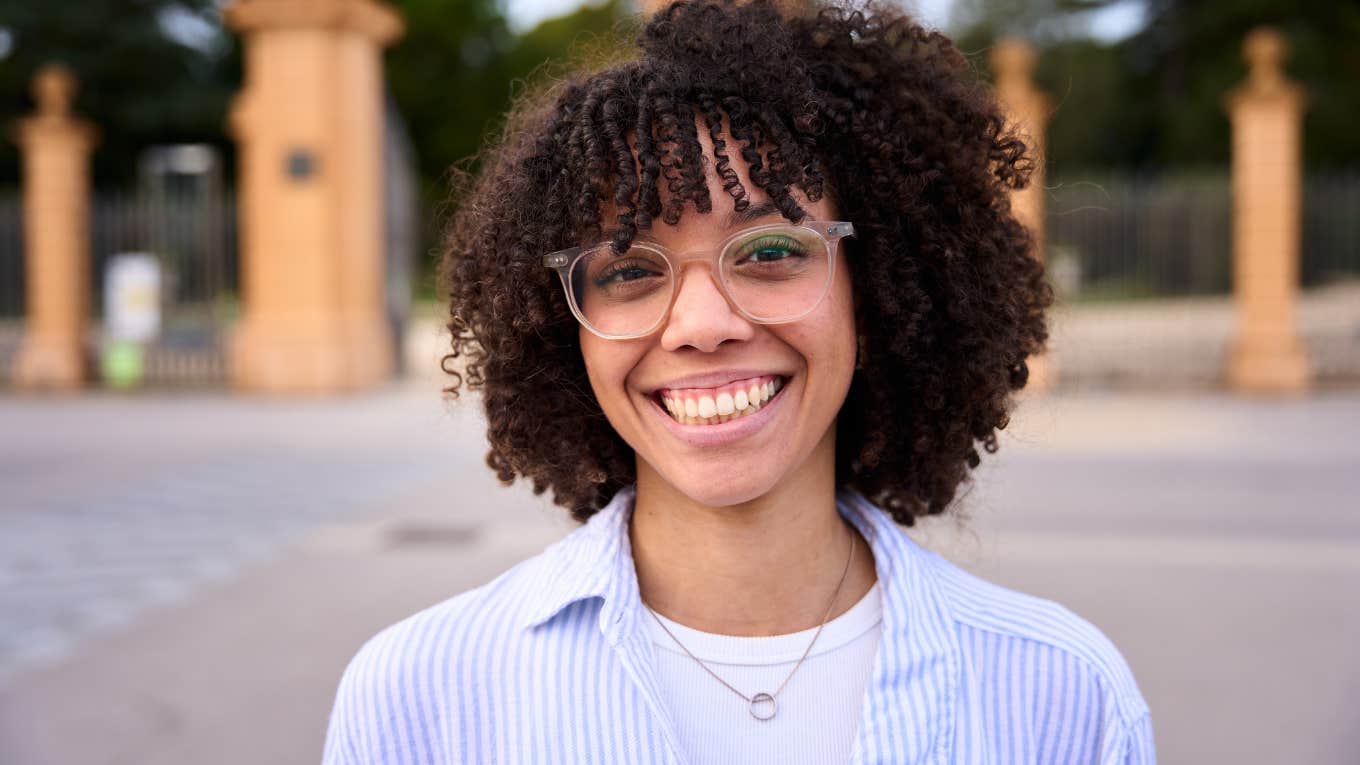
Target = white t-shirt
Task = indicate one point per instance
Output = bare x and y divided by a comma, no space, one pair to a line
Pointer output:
817,713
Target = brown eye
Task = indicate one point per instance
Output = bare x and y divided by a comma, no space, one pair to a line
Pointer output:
623,272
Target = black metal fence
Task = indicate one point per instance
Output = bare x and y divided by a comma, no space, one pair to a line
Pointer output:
193,238
11,281
1331,228
1132,236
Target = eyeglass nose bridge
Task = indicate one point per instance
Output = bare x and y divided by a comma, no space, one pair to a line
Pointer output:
679,263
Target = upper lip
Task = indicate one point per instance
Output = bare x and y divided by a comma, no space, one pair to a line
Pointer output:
714,379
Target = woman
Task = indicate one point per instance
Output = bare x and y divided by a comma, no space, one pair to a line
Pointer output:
744,304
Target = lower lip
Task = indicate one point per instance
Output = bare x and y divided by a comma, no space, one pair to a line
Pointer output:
724,432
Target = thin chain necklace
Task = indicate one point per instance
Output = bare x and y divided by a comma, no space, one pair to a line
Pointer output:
762,705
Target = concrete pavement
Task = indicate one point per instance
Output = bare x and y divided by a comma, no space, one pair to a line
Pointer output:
183,578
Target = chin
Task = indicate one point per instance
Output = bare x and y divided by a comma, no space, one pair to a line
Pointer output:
733,488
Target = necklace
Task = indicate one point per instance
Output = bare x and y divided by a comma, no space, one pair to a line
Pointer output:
762,705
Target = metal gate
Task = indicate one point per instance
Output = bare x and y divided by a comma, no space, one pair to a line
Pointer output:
183,216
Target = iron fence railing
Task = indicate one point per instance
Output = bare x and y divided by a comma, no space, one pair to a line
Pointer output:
192,236
11,256
1331,227
1142,235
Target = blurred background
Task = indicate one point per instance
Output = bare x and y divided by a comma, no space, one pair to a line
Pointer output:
224,457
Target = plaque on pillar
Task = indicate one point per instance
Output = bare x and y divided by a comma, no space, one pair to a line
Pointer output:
300,165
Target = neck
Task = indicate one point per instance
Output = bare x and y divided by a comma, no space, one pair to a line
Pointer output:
769,566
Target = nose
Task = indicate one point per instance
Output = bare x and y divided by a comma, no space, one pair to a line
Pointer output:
701,317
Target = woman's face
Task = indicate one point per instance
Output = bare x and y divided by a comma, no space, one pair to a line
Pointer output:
705,348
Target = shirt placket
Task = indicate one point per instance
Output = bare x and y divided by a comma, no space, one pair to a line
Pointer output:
637,655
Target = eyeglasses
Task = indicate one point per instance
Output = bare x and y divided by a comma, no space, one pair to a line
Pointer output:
771,274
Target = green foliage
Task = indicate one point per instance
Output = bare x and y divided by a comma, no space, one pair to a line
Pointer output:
458,68
137,82
457,71
453,74
1156,97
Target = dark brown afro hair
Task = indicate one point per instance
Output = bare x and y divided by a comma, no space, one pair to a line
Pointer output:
862,103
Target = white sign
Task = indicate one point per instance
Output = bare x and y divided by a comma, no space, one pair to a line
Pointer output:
132,297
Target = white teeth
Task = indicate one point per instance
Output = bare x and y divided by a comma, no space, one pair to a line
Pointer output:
706,407
725,404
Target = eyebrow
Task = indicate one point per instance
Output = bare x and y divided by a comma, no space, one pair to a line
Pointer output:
736,218
752,213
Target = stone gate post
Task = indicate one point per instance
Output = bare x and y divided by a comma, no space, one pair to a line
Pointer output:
1266,112
56,147
309,126
1028,108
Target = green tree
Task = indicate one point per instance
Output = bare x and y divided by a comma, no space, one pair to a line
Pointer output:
456,71
1155,98
151,71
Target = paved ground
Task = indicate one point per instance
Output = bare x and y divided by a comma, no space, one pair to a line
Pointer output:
183,578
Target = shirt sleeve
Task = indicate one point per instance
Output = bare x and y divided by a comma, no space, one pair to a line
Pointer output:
342,746
1138,748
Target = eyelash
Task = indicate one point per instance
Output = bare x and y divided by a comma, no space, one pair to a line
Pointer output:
613,269
791,245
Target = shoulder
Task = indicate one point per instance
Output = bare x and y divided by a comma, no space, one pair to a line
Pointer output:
1021,647
412,674
472,622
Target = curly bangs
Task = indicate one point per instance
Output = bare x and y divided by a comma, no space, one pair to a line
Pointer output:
862,103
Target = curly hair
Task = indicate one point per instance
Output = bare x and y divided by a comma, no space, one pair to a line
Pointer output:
861,102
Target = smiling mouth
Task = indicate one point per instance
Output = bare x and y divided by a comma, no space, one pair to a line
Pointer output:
713,406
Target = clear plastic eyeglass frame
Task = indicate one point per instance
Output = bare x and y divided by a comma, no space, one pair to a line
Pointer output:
831,232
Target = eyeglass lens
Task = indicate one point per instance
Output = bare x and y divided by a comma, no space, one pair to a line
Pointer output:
772,274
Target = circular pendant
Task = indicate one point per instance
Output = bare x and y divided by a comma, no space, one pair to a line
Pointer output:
762,706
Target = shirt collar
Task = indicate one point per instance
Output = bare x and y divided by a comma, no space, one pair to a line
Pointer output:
594,561
912,692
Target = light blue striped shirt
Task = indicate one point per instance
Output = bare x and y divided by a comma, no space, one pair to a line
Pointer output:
550,663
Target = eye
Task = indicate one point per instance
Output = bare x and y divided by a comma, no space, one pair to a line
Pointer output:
770,249
622,271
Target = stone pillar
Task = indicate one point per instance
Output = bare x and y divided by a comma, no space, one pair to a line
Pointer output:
309,127
56,150
1266,112
1027,108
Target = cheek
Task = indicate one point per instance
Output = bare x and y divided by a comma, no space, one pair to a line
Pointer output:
838,339
841,330
608,364
827,340
596,360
